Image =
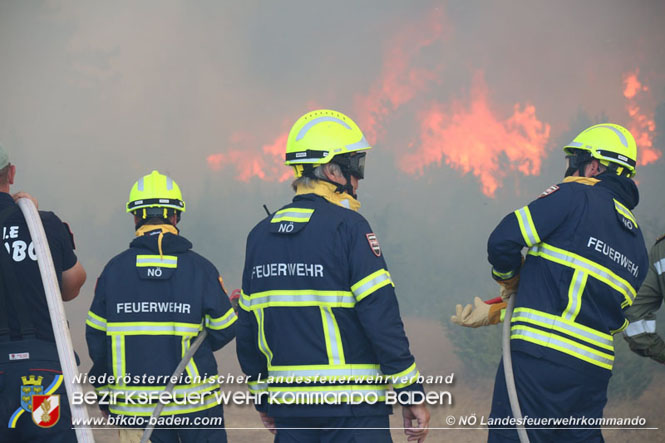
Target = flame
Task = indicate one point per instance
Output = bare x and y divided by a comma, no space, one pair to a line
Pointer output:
473,139
399,81
266,164
642,124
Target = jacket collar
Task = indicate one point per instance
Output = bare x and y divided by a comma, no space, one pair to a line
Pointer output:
161,239
623,188
327,191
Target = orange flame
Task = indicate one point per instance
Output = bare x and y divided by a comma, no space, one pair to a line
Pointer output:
642,124
473,139
266,164
399,81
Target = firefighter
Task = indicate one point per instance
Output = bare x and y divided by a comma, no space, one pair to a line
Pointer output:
29,363
641,332
585,261
150,303
319,330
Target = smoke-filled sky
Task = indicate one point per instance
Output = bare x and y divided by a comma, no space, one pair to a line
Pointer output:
467,104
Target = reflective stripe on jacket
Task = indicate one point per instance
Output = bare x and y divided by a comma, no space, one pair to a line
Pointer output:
319,327
147,310
586,258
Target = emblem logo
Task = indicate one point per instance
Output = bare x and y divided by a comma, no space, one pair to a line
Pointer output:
46,410
551,190
374,244
31,386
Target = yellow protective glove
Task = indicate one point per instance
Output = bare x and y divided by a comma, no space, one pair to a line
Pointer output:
480,315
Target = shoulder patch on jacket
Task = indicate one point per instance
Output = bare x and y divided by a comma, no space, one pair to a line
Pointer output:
290,220
374,243
549,191
626,218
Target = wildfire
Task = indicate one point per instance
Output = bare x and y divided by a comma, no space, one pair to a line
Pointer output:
399,81
473,139
642,124
267,164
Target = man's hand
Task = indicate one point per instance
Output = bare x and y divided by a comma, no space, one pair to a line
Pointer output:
480,315
506,293
25,195
268,422
421,415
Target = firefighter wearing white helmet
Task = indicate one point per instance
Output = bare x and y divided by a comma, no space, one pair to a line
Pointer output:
586,259
150,303
317,266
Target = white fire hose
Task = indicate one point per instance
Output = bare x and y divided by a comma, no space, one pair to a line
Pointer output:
169,388
508,371
56,310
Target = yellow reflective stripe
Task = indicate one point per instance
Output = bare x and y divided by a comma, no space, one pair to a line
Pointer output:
191,368
411,375
561,324
562,344
297,215
575,261
623,327
263,343
297,298
527,227
244,301
323,368
621,209
503,275
118,357
166,261
132,408
153,328
332,336
95,321
257,387
371,283
222,322
575,291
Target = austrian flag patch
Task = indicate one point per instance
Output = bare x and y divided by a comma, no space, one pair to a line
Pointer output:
374,244
45,410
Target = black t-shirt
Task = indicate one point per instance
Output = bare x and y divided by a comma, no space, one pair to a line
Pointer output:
17,243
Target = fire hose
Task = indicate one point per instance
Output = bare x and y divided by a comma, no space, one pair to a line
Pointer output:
508,371
56,311
169,388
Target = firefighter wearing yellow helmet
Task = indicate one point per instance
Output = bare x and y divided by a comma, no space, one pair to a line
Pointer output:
316,266
151,301
586,259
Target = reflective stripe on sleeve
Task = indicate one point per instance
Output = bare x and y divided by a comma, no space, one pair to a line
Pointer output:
256,387
166,261
371,284
406,378
503,275
660,266
95,321
640,327
222,322
575,261
527,227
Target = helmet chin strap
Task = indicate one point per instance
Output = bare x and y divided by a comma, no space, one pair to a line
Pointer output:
348,187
